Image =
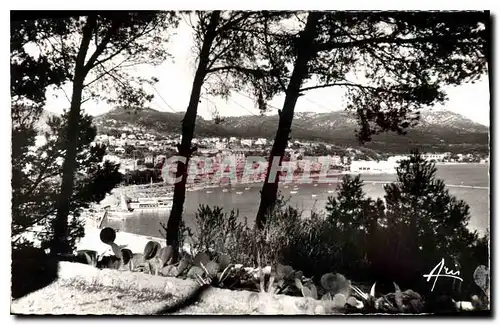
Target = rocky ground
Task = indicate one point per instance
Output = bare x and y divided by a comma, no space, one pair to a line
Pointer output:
81,289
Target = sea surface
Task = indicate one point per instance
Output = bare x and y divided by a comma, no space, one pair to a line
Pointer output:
473,177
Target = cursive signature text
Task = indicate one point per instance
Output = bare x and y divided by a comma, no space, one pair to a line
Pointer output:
437,272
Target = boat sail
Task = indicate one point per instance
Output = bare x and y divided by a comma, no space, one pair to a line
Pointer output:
121,210
124,203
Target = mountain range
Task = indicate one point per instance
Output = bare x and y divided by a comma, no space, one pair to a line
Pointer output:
438,130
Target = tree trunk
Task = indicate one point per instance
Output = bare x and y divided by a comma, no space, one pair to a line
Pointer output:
305,53
60,242
188,125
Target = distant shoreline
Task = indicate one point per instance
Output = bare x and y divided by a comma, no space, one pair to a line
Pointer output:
462,163
330,178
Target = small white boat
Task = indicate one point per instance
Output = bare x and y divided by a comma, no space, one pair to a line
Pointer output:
225,190
247,188
239,193
293,192
208,192
330,192
315,185
329,184
286,186
313,195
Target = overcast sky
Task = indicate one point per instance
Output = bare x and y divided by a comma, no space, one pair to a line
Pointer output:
470,100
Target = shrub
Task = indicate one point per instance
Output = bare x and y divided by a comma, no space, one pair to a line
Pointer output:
425,224
287,238
359,236
352,222
220,232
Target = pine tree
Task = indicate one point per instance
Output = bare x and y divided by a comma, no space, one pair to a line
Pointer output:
37,172
390,64
93,51
425,223
354,221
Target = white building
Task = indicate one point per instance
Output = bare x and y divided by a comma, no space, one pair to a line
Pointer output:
159,158
220,145
112,158
149,159
373,167
335,160
246,142
261,141
119,150
434,156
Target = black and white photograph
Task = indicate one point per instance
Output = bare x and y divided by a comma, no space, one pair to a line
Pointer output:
250,162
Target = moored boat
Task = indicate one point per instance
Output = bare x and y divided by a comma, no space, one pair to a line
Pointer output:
154,203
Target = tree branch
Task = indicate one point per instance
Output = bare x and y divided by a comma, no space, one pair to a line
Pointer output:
255,72
217,56
41,175
112,30
33,222
106,72
388,40
84,46
114,77
271,59
346,84
111,56
231,23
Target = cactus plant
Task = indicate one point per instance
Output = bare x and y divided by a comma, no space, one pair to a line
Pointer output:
151,249
195,271
107,235
224,260
398,301
165,255
201,257
336,283
126,255
90,257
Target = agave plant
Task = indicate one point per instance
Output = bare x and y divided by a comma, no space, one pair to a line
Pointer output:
212,270
90,257
482,279
308,289
407,301
212,274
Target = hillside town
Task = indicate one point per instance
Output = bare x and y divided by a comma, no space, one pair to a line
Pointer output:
137,150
